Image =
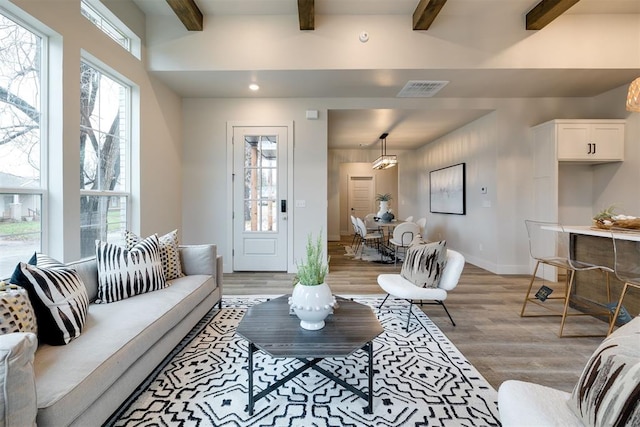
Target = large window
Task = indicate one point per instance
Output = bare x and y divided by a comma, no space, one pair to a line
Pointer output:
22,180
104,153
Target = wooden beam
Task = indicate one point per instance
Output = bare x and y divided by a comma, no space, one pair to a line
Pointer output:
306,14
546,11
188,12
426,12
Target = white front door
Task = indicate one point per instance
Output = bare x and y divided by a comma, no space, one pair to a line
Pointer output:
260,205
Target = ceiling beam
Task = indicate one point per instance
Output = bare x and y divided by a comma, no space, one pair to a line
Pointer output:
188,12
426,12
546,11
306,15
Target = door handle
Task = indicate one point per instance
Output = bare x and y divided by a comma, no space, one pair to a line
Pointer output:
283,206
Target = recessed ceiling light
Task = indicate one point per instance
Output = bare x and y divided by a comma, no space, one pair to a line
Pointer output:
254,87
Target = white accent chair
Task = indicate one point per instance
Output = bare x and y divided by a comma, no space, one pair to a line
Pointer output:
402,237
399,287
409,219
422,223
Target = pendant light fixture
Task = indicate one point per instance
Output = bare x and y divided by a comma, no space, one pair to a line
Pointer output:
633,96
385,161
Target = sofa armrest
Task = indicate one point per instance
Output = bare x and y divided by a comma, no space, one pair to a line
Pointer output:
18,402
199,259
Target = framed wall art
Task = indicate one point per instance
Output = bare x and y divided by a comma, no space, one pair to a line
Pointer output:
447,190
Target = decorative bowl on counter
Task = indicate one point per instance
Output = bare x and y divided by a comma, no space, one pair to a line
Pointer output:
607,219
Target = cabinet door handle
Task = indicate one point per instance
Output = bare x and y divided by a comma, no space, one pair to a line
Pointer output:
594,148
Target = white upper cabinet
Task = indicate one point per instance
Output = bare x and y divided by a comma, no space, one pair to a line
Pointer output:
590,141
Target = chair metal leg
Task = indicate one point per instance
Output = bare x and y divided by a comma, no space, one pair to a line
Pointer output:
409,315
567,295
447,311
383,301
526,297
617,313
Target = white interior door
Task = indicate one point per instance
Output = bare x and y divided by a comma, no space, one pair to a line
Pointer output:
361,197
260,206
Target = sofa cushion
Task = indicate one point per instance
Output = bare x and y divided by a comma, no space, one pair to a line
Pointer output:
169,255
424,264
124,273
17,382
608,391
70,378
59,300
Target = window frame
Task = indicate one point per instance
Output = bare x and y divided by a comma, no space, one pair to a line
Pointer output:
128,149
134,44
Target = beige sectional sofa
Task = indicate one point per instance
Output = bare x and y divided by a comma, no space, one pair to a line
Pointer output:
85,381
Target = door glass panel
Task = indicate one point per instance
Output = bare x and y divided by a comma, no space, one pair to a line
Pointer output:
260,183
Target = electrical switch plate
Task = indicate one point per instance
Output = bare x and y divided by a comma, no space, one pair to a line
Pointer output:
301,203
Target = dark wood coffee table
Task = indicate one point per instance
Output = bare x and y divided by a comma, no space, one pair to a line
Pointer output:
269,327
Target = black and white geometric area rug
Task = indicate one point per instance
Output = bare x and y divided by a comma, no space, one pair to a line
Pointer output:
420,379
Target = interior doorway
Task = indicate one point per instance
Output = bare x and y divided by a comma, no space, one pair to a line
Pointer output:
384,181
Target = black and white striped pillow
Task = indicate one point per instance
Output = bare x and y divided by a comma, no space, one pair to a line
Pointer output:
424,263
169,253
60,301
124,273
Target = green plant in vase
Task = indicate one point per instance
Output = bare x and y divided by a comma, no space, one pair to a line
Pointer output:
313,270
311,299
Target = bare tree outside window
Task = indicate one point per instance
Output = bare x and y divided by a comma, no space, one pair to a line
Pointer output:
103,152
21,186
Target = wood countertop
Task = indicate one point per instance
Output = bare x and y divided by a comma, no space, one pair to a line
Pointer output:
633,235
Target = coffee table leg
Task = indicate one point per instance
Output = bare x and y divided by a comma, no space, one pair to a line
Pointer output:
369,409
251,402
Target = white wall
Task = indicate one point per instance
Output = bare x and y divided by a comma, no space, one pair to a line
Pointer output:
157,157
497,151
206,207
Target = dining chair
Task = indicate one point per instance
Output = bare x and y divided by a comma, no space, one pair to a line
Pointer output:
356,232
368,238
370,222
402,237
409,219
626,261
549,244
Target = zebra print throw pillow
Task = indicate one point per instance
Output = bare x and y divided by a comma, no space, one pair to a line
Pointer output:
424,263
124,273
608,391
169,254
60,301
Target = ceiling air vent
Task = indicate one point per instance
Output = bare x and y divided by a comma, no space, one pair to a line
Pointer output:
421,88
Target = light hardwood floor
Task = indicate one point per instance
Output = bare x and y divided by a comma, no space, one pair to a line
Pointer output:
486,308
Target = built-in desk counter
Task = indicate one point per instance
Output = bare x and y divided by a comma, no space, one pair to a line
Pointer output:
596,246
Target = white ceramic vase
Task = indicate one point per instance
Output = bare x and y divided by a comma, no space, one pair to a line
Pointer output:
312,304
384,208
